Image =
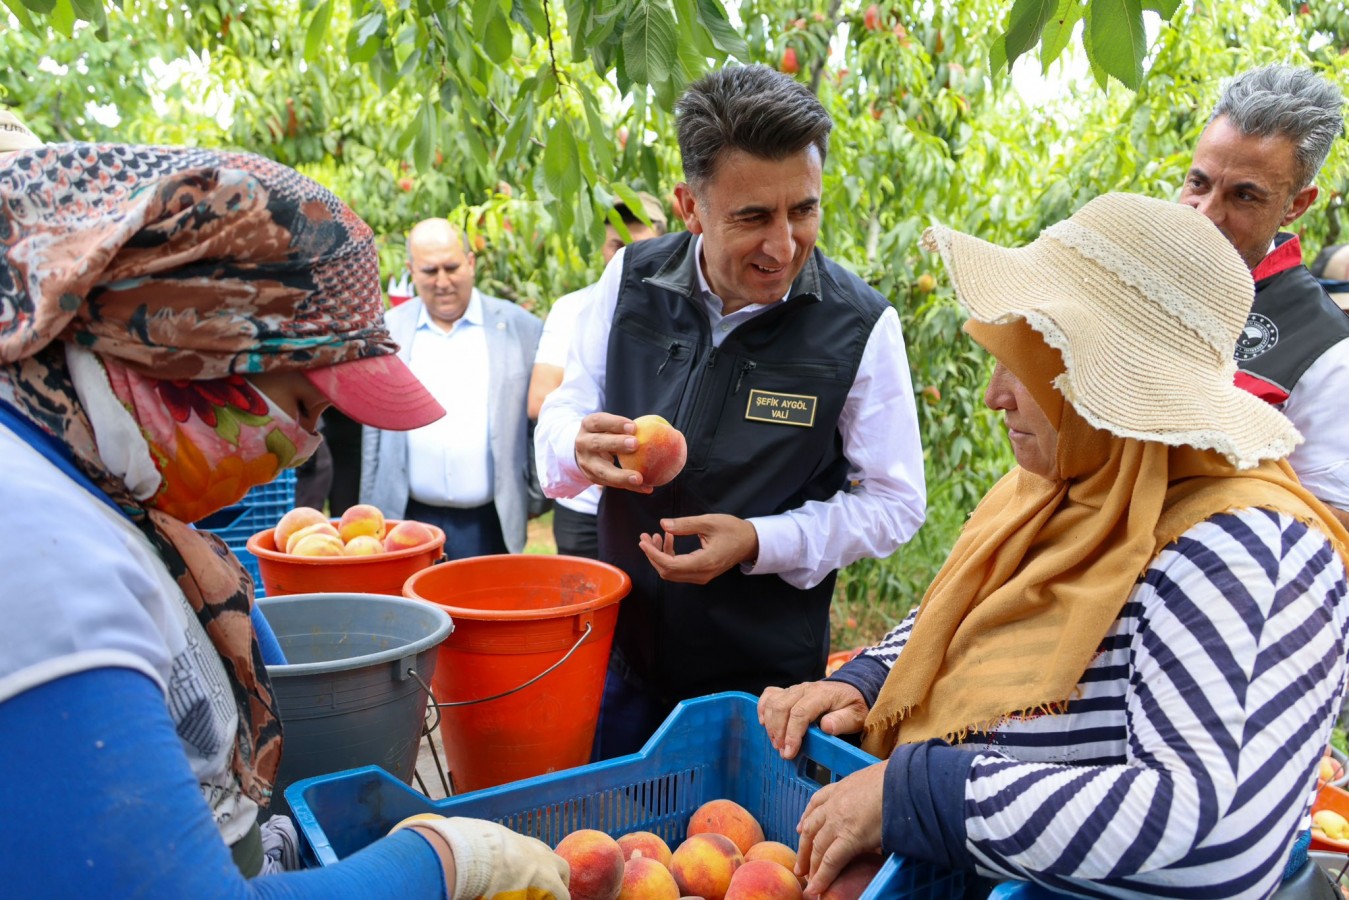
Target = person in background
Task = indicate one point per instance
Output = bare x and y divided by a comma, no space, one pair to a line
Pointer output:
574,518
1252,174
172,324
1331,270
465,473
1123,678
788,377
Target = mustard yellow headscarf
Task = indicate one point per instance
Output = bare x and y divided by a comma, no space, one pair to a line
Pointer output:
1043,567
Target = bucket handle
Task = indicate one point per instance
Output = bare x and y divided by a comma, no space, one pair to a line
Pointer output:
589,627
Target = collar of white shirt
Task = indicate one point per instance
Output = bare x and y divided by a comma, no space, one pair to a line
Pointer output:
473,315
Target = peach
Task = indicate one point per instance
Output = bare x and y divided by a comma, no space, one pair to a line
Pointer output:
703,865
293,521
324,527
596,864
729,818
407,533
645,843
364,545
361,519
317,545
646,879
763,879
777,852
660,454
856,876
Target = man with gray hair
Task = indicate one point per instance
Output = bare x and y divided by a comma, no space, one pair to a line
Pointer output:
1251,175
787,375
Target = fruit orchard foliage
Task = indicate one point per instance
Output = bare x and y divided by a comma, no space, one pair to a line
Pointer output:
525,120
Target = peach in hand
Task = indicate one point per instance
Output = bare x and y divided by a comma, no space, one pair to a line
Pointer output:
852,882
777,852
293,521
646,879
728,818
361,519
596,864
645,843
763,879
407,533
660,454
324,527
703,865
318,544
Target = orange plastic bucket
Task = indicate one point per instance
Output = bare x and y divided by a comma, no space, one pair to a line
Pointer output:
379,573
520,680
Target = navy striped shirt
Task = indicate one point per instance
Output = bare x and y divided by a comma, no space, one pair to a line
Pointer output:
1185,762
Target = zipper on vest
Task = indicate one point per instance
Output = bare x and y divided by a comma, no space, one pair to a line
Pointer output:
670,353
745,368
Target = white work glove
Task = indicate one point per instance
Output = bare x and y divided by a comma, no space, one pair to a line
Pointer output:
490,859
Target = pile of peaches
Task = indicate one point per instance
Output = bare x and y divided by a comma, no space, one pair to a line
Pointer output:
723,857
305,531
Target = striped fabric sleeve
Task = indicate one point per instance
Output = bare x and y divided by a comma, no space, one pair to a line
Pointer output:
1237,665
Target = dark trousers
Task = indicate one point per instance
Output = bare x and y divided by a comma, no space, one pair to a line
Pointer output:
475,531
628,715
343,437
576,533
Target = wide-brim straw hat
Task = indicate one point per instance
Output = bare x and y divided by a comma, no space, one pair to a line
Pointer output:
1145,300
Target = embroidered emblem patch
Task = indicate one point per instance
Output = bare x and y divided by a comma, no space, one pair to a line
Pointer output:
1258,337
781,409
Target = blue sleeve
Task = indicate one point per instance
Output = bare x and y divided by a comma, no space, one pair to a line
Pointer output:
923,805
272,654
103,803
866,673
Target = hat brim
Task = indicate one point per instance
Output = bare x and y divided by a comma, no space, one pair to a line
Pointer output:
379,391
1146,381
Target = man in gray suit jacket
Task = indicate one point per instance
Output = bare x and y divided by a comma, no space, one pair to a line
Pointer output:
465,473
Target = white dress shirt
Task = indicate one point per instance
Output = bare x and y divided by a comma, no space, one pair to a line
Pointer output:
450,460
1317,407
879,424
559,332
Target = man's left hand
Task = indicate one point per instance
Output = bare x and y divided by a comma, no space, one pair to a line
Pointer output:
726,542
841,821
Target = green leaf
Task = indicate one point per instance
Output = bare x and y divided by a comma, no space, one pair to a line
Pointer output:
366,35
425,143
21,13
518,132
997,55
723,33
1115,39
1167,8
561,169
497,43
41,7
318,29
531,16
599,134
62,19
1059,30
648,43
406,136
1025,25
631,201
89,10
483,11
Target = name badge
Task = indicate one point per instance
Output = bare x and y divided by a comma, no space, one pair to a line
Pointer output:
781,409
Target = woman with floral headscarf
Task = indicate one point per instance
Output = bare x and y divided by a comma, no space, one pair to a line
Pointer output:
1123,678
172,323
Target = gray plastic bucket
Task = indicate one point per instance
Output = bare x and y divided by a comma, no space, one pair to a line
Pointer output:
345,696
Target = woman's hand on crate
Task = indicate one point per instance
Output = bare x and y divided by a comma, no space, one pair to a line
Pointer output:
841,822
487,860
786,713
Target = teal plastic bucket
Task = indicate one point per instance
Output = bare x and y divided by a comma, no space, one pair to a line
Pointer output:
346,695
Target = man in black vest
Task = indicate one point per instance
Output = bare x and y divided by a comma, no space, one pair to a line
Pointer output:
789,379
1251,175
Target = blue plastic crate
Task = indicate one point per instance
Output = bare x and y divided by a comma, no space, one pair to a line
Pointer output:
708,748
260,509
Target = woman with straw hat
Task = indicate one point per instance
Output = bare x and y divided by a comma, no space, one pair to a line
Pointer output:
1122,679
172,323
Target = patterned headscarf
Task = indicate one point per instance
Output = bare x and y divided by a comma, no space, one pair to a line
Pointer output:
180,264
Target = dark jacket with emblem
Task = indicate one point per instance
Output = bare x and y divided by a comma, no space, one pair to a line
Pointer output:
1292,322
760,414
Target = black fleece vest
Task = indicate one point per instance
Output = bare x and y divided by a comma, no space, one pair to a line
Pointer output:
760,414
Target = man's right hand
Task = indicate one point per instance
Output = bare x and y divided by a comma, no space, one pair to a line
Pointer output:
786,713
601,438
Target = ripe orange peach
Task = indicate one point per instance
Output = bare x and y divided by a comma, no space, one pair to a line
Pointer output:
324,527
703,865
729,818
763,879
293,521
850,883
646,879
596,864
361,519
777,852
364,545
407,533
661,451
645,843
317,544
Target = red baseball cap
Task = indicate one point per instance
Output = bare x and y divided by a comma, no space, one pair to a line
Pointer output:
379,391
